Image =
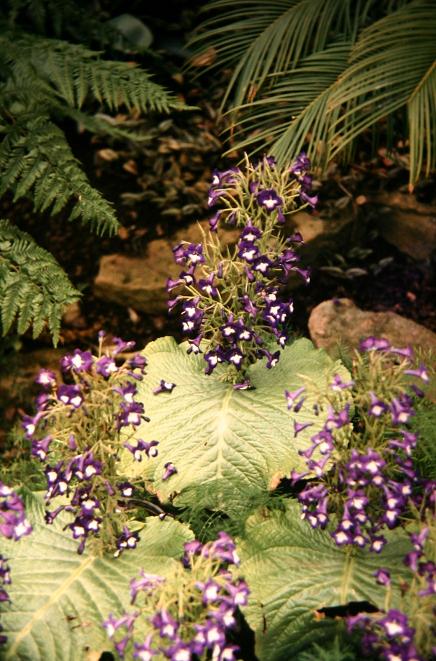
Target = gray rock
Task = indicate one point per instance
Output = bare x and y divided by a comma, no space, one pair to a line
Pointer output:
407,224
340,321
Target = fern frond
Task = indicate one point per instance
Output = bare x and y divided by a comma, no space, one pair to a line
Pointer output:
36,161
33,287
75,73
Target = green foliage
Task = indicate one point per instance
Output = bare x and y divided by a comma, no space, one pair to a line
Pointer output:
59,599
33,287
317,74
239,439
294,571
337,650
424,423
45,80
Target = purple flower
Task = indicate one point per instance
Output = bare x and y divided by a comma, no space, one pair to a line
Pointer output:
46,378
311,200
40,447
164,386
396,625
377,406
146,583
70,395
248,251
13,522
150,449
269,200
106,366
382,576
144,651
250,233
165,624
78,361
292,395
301,165
374,344
300,426
421,373
170,469
127,540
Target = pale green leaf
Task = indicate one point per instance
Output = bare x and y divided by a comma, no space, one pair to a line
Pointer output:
294,571
215,434
59,599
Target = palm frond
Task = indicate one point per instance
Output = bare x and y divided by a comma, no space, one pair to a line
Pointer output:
262,39
294,114
392,65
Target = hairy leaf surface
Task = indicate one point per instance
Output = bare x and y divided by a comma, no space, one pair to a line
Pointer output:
59,599
215,434
293,571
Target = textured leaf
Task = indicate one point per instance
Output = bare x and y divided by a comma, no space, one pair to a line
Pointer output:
59,598
215,434
293,571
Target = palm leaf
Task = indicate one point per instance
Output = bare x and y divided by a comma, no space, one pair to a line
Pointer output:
294,114
262,39
392,66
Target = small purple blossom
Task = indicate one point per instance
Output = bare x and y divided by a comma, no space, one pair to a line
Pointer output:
170,469
269,200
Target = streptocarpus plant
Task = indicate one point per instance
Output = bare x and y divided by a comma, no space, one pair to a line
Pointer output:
231,300
408,633
188,614
359,465
76,433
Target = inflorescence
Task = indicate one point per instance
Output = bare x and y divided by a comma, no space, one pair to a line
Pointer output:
78,432
231,306
189,612
13,525
360,470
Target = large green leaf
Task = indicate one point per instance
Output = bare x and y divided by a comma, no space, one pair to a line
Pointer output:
59,599
212,433
293,571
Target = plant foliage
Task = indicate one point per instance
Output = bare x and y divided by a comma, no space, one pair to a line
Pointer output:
237,441
59,598
314,74
294,571
44,81
34,289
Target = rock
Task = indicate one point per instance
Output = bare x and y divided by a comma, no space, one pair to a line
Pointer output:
318,234
140,282
407,224
340,321
73,318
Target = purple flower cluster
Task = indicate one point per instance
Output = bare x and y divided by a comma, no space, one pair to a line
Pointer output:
397,635
390,637
13,522
209,609
76,434
300,169
13,525
233,301
374,484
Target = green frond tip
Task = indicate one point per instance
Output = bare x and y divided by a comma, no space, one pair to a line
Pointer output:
34,289
75,74
36,161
